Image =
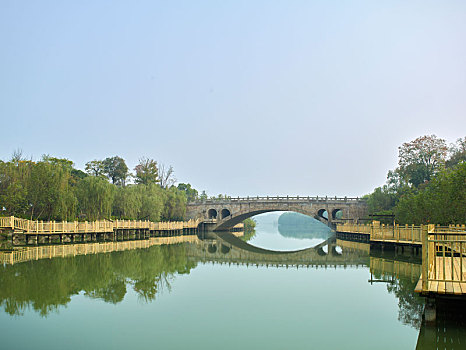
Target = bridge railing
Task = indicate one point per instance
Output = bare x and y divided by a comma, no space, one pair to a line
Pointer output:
277,198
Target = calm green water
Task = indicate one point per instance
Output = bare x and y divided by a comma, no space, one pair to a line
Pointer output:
210,295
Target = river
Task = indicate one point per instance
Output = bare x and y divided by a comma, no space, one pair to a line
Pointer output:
213,295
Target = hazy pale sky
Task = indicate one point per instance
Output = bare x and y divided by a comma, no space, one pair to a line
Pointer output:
240,97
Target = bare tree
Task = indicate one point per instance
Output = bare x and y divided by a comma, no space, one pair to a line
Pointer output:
166,176
17,156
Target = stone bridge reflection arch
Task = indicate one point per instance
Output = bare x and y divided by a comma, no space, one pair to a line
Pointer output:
231,249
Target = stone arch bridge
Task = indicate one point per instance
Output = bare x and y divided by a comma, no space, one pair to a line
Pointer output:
224,214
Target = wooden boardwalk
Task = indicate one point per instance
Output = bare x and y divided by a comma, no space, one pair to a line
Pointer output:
443,262
101,226
443,252
18,232
447,277
397,234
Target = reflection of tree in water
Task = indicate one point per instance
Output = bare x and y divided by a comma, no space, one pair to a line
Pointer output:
247,236
44,285
410,305
297,225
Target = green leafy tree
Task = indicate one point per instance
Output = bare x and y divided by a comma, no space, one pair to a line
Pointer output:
146,172
191,193
457,153
442,201
95,197
381,200
127,202
95,168
174,204
14,179
49,193
422,158
203,195
116,170
152,202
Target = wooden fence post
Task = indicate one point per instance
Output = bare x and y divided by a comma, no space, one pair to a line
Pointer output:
425,260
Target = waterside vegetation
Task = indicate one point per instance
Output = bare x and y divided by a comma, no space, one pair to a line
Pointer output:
428,186
53,189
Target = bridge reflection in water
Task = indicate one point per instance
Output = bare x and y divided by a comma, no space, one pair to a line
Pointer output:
225,248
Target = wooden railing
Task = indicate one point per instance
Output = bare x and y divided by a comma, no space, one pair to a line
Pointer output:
100,226
275,199
397,233
444,260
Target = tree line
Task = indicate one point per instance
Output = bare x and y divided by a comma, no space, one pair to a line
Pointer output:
53,189
428,186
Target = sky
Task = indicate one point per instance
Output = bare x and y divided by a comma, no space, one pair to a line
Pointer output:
240,97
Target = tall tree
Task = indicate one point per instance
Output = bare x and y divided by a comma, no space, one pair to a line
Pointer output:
174,204
49,193
95,196
95,168
116,170
420,159
146,172
191,193
457,152
127,203
442,201
166,176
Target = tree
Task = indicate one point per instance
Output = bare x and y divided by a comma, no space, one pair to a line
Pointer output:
63,162
127,202
203,196
152,202
95,168
421,159
49,193
442,201
381,201
457,153
146,172
191,193
174,204
116,170
14,179
95,196
166,176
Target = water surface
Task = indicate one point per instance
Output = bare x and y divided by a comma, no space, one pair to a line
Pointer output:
211,295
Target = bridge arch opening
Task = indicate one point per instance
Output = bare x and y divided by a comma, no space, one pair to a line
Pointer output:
212,214
323,214
337,250
321,251
224,249
337,214
212,248
224,213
